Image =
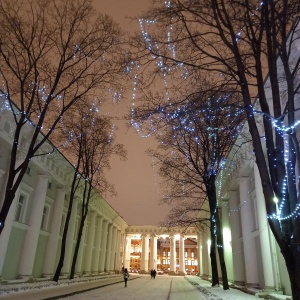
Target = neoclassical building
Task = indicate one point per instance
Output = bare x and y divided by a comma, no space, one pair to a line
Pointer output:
252,255
170,251
31,239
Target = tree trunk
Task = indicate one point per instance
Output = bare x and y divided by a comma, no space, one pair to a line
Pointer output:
72,272
63,243
221,252
213,258
292,260
216,232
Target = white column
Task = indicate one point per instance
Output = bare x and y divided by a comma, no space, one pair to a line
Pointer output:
70,238
5,235
153,252
103,246
122,249
96,253
265,246
208,243
205,254
113,249
52,245
181,256
119,253
226,231
248,239
199,252
127,252
236,243
82,247
33,232
172,255
108,248
90,243
145,254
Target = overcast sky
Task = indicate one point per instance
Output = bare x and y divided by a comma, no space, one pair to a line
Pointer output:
135,180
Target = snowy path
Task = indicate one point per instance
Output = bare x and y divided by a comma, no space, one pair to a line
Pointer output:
111,287
161,288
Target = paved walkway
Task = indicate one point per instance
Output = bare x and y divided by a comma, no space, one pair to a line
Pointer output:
162,288
140,287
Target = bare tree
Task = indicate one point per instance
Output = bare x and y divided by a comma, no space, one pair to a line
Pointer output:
52,54
91,143
198,134
240,42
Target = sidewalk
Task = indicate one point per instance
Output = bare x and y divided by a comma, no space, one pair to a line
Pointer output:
52,290
49,290
233,293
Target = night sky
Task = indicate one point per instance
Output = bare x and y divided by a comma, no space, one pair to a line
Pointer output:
135,180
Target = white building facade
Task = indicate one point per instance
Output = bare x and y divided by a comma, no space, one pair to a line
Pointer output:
252,255
31,239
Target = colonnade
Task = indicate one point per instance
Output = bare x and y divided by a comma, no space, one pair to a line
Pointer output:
149,255
252,252
34,241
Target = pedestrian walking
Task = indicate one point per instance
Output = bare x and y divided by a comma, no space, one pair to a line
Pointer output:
126,276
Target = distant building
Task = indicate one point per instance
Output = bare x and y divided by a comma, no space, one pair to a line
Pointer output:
152,247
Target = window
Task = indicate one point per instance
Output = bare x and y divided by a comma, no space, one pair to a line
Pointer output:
44,223
20,209
28,171
62,224
193,255
185,254
49,185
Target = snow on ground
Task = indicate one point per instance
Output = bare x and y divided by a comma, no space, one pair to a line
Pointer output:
204,287
19,286
217,293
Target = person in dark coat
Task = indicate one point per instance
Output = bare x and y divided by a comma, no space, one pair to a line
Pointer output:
126,276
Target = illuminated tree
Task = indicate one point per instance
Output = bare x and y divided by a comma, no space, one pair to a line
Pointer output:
197,135
90,144
240,43
52,54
